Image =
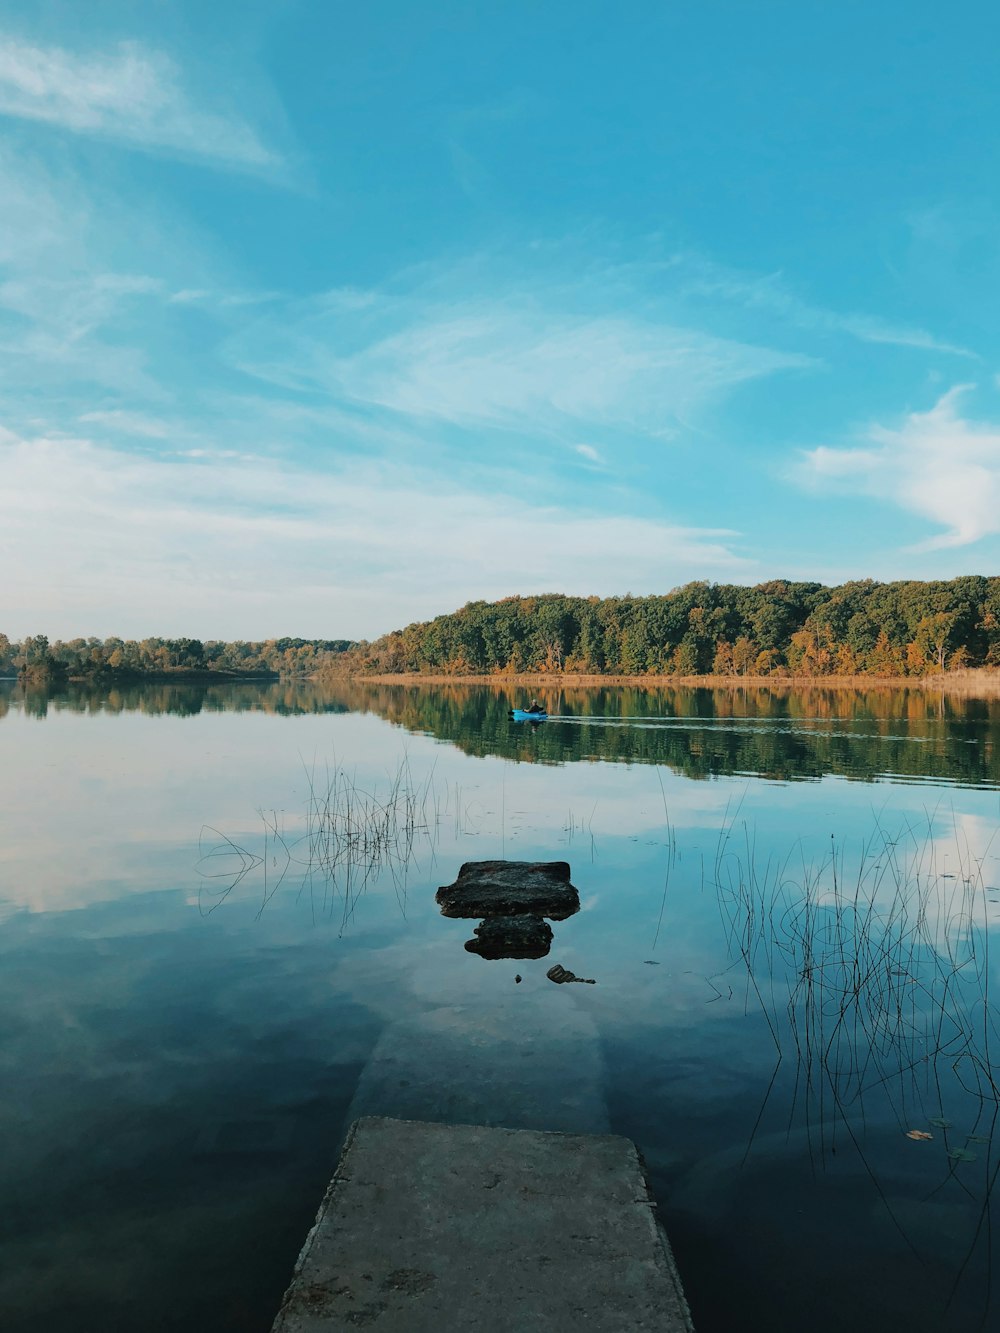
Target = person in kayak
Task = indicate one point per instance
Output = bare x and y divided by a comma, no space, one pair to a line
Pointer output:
534,707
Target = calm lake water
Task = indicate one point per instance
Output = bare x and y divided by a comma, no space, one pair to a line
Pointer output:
220,941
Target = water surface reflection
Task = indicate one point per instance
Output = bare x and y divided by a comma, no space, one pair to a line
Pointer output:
794,976
779,733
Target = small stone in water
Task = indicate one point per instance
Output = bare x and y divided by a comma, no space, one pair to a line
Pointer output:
560,974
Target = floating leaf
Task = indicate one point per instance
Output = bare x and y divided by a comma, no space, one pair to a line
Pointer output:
961,1155
977,1138
940,1122
918,1134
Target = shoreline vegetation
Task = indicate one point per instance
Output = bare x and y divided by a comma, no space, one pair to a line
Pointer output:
978,683
937,636
124,661
708,632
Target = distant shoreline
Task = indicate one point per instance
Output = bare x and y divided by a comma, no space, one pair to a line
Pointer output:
125,677
137,677
973,683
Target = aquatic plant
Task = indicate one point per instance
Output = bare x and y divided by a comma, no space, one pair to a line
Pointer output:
873,966
347,835
871,970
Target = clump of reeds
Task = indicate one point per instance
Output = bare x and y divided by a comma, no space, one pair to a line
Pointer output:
347,836
353,833
872,967
872,971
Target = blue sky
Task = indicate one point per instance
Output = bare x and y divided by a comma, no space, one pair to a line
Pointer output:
320,318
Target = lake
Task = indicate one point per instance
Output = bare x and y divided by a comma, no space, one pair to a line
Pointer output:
220,941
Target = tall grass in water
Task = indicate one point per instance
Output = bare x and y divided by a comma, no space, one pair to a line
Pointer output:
872,973
872,968
347,836
354,834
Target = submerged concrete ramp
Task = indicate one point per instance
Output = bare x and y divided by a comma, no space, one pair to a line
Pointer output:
520,1063
431,1228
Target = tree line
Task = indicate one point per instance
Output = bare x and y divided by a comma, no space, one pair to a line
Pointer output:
82,659
779,628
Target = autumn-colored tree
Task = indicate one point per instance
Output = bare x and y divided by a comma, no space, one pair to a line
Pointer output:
811,652
885,659
722,664
846,661
916,659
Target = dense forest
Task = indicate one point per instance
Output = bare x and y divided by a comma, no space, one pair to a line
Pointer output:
126,658
778,629
773,629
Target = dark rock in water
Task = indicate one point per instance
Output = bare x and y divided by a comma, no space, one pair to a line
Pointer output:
522,936
510,888
561,974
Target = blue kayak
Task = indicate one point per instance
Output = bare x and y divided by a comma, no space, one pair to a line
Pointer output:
522,715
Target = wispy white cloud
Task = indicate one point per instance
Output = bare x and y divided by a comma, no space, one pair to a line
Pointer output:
501,364
98,294
131,424
78,304
69,334
771,294
131,94
506,361
938,465
241,546
219,299
44,219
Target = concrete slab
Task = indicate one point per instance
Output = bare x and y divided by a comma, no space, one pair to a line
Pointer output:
431,1228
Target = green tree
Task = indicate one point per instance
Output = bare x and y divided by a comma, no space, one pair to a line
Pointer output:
934,637
744,655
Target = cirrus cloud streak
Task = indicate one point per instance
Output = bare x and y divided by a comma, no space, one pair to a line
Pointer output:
130,93
504,361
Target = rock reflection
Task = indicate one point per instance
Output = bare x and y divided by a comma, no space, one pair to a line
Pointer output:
512,898
524,936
